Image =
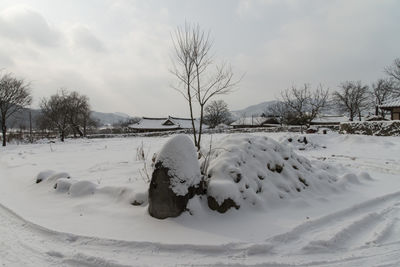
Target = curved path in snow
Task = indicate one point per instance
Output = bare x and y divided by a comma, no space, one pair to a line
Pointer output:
367,234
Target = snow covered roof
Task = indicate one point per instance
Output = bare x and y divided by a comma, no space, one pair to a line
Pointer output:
393,103
169,123
253,121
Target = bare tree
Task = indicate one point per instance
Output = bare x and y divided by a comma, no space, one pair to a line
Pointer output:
394,70
66,112
352,98
278,110
79,111
195,69
304,104
183,67
381,91
217,112
394,73
14,96
55,112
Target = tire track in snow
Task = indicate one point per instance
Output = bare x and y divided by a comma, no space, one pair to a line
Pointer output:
26,244
343,228
388,166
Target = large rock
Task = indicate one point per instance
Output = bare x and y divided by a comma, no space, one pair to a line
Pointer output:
176,178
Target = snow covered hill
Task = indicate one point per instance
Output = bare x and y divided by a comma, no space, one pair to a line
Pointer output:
255,110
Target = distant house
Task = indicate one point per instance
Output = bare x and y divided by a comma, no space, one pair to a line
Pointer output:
147,124
393,106
254,121
329,120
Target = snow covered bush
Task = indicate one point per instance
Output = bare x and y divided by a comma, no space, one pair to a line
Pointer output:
252,170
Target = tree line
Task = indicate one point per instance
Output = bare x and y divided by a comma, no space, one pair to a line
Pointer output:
300,105
64,112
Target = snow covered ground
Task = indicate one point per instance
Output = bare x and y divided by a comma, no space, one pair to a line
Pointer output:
357,225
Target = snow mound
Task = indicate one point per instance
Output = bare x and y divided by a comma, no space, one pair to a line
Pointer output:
179,156
82,188
50,176
43,175
252,170
63,185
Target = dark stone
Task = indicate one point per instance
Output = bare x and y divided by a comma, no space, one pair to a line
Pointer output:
163,202
238,178
305,140
303,181
226,205
137,203
278,168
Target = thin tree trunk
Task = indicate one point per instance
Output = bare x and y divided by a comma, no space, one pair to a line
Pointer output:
191,111
201,125
4,131
201,106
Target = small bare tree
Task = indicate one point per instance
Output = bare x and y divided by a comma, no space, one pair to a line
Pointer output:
79,111
195,69
66,112
14,96
217,112
352,98
394,73
381,91
303,103
278,110
55,112
183,67
394,70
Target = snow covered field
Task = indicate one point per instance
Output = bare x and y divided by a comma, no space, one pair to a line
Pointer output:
356,225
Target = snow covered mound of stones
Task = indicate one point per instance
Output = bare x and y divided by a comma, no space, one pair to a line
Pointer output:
253,170
300,142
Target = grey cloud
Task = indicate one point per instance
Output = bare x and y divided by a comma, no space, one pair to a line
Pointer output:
5,61
82,37
25,24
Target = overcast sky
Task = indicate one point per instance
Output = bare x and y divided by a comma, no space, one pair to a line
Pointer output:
118,52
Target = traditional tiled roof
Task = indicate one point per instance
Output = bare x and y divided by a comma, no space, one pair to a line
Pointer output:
169,123
393,103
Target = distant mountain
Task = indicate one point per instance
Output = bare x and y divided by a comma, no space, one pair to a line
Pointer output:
21,120
254,110
109,118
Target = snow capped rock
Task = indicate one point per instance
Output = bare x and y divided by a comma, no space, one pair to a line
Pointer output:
179,156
